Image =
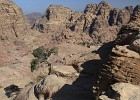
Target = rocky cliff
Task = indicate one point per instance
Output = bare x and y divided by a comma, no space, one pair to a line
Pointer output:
13,23
55,24
14,34
80,70
101,22
14,28
124,60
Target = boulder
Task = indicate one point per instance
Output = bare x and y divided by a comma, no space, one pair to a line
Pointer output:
135,45
122,64
123,91
43,89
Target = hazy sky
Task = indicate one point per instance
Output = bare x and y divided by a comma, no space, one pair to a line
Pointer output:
29,6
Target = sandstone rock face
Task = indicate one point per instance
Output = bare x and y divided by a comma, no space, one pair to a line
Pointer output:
14,31
58,13
64,28
13,23
136,45
122,66
104,9
91,8
100,23
43,89
124,16
55,19
56,24
123,91
95,23
127,91
124,61
113,16
136,12
101,32
125,66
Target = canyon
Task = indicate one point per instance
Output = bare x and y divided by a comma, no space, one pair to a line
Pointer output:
67,55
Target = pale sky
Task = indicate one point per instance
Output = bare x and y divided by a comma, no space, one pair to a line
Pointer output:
29,6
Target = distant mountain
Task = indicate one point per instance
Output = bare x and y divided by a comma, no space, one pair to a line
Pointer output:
32,17
66,55
100,22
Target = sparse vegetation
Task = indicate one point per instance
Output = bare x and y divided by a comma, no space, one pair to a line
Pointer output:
42,54
86,44
34,64
54,50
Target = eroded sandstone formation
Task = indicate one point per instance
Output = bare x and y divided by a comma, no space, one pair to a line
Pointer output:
13,44
12,21
122,91
100,22
76,66
123,64
43,89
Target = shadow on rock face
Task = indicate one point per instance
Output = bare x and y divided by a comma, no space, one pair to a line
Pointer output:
91,67
71,92
88,76
11,89
105,50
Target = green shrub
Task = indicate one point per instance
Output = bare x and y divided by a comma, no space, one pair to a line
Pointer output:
41,54
86,44
34,64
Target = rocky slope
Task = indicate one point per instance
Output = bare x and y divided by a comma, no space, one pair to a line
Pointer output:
123,91
124,60
55,24
119,62
13,24
17,43
101,22
14,44
80,70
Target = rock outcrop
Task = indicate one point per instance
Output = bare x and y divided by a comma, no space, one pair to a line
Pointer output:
56,23
123,64
14,31
122,91
55,19
12,21
42,90
76,66
100,23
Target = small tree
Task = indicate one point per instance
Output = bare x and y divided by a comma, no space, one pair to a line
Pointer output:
34,64
42,54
